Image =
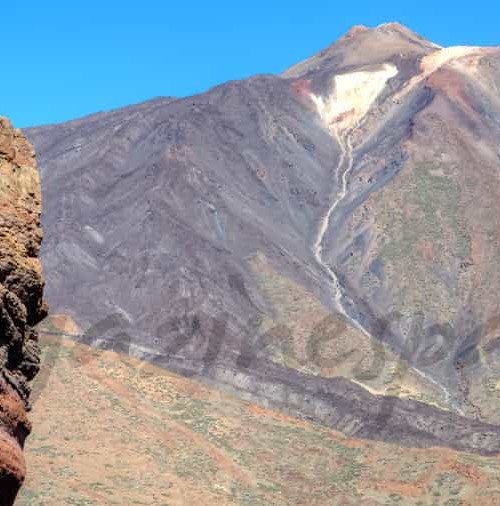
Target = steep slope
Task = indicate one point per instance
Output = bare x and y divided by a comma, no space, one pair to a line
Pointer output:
21,305
163,202
362,46
406,245
313,239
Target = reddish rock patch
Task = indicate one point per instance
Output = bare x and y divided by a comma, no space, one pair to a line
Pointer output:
21,303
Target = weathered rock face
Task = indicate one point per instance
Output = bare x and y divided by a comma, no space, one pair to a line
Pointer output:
21,303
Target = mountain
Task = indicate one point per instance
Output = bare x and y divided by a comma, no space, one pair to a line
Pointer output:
323,241
21,304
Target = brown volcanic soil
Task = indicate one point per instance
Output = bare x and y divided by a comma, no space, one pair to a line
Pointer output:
112,430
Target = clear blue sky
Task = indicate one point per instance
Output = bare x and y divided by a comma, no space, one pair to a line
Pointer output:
64,59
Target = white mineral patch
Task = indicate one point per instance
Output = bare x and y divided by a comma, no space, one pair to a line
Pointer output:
94,234
463,58
352,96
437,59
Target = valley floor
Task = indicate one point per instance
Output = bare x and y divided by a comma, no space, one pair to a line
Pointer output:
112,430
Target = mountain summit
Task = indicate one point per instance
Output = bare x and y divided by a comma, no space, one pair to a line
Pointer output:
324,241
365,46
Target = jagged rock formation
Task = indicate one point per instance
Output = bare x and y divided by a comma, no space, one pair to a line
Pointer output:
21,304
362,184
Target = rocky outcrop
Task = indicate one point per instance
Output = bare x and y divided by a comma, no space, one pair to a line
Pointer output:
21,303
365,178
